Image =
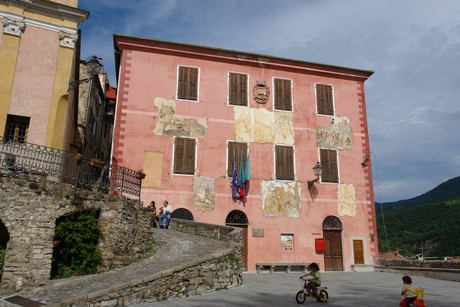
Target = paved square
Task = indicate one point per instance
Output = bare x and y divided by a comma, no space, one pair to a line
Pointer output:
349,289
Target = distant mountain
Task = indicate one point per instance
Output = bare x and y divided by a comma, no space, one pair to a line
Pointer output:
445,191
428,223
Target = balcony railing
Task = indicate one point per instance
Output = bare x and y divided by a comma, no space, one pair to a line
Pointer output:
68,167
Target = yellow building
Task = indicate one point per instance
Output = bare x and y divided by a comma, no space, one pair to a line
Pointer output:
38,51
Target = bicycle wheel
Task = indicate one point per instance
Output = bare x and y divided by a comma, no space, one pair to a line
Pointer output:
323,296
300,297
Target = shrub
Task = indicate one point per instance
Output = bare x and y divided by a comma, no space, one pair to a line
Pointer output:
76,249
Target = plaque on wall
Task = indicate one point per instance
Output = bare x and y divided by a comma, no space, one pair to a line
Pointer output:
261,93
258,232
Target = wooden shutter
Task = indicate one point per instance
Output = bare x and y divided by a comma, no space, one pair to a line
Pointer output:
184,156
240,150
238,89
283,100
284,162
324,99
329,163
187,87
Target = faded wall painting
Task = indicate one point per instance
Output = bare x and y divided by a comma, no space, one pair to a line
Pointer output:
281,198
284,128
170,124
204,195
346,195
262,126
338,136
243,124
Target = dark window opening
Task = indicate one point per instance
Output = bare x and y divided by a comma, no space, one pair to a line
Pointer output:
17,128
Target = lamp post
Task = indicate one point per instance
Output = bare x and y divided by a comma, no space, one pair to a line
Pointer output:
318,170
93,67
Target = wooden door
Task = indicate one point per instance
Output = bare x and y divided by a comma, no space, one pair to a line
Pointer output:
238,218
358,251
333,254
244,252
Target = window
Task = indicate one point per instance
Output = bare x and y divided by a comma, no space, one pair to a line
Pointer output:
324,101
329,162
238,89
184,156
284,160
287,242
237,151
283,99
16,129
187,87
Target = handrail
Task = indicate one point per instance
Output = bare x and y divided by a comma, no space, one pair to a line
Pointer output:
69,167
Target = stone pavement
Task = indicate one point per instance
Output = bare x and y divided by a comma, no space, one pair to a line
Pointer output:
348,289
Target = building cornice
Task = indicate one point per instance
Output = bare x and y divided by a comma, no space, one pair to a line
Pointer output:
50,9
121,42
15,24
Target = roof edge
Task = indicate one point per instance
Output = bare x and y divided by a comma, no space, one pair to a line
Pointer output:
262,59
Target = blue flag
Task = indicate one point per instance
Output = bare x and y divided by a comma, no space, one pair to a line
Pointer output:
247,175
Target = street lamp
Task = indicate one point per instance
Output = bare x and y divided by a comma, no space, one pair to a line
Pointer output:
318,170
93,67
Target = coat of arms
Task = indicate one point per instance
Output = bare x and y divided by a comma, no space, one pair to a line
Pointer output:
261,93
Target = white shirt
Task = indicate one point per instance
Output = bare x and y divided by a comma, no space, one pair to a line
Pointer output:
167,209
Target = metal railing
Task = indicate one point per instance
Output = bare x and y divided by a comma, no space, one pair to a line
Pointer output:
68,167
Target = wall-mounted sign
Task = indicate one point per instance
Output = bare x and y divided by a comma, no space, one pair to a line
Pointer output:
258,232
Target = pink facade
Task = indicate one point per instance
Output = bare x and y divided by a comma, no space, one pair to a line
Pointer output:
281,217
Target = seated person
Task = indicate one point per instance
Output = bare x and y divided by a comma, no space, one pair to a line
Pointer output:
166,212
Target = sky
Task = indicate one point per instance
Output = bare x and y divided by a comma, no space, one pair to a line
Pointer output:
413,47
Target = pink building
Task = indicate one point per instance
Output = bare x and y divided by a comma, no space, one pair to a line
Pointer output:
191,117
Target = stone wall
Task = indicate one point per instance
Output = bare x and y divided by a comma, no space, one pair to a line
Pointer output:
29,207
445,270
217,271
233,236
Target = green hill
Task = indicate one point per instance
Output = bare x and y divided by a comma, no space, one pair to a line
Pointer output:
429,223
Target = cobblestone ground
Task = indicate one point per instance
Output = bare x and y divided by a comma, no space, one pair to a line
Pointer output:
174,248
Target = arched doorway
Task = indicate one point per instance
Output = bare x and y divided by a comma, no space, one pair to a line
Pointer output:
237,218
332,232
182,213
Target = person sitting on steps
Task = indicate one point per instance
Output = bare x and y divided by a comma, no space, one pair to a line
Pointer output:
154,217
166,212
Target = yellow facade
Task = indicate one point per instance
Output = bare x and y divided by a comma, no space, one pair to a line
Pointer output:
48,109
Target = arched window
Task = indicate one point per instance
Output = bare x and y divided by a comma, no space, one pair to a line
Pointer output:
182,213
332,223
236,217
